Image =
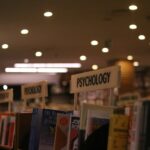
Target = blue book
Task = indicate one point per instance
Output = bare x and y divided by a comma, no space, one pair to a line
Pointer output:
35,129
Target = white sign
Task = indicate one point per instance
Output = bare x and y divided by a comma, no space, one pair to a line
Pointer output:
94,80
6,95
34,90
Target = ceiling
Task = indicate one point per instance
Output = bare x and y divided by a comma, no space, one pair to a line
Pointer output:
67,34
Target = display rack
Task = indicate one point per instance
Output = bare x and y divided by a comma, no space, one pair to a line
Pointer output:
102,79
34,91
6,97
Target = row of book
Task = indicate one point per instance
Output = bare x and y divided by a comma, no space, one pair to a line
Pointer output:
96,127
61,130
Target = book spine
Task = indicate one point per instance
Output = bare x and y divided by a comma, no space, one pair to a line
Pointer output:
35,129
145,131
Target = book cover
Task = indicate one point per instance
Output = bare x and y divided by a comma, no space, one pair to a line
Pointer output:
96,119
118,132
35,129
61,134
73,135
47,132
22,131
135,126
83,118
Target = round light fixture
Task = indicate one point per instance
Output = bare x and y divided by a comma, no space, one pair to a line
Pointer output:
83,58
105,50
132,26
24,31
26,60
94,42
136,63
94,67
5,46
130,57
141,37
133,7
38,54
5,87
48,14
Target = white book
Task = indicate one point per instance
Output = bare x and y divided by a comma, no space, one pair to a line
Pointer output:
136,126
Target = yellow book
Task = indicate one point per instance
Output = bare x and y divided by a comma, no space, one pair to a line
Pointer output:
118,132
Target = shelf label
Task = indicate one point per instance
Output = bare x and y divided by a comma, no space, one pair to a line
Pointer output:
94,80
34,90
6,95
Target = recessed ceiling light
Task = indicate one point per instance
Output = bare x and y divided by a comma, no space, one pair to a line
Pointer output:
48,14
132,26
83,58
141,37
94,67
94,42
136,63
105,50
24,31
5,87
26,60
130,57
38,54
133,7
5,46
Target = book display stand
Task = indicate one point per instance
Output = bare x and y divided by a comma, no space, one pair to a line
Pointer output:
96,87
34,94
6,98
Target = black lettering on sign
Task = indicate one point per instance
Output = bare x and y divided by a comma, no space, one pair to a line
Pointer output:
32,90
98,79
4,96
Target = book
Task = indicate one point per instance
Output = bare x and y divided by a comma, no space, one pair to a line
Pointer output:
35,129
118,132
83,118
73,135
22,130
135,126
11,135
96,119
43,128
61,134
47,133
145,127
4,130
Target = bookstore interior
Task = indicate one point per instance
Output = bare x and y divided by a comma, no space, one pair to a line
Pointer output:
74,75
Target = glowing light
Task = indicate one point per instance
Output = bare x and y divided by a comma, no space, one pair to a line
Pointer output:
48,14
132,26
83,58
94,67
133,7
105,50
94,42
5,46
24,31
130,57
